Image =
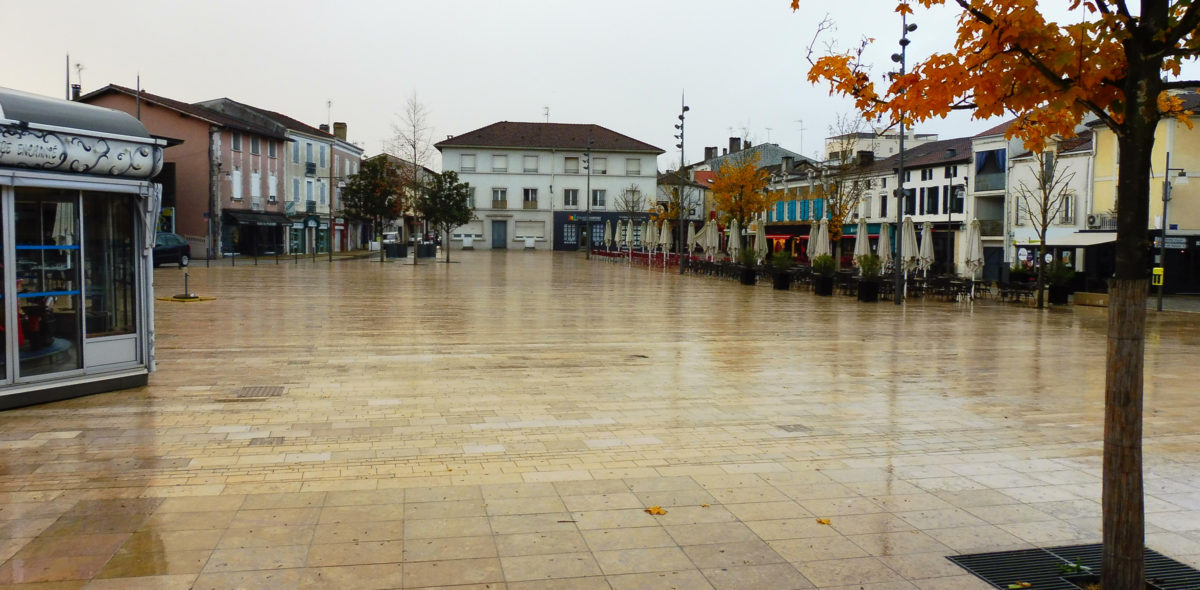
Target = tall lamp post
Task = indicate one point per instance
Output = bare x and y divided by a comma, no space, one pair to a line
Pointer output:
682,165
587,217
1162,244
899,58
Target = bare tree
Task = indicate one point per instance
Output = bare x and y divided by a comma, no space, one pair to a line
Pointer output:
841,181
1041,201
412,142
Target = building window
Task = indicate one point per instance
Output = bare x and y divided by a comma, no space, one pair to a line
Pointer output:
531,164
883,205
467,164
866,209
322,156
633,167
791,211
295,190
529,196
571,165
908,176
598,197
910,201
931,200
951,171
1068,209
927,174
499,163
571,197
471,197
499,198
570,233
295,153
272,149
255,186
272,187
321,190
255,148
958,197
308,191
600,165
236,144
237,184
308,152
883,182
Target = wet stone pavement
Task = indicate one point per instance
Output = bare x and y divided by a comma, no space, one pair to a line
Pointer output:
503,421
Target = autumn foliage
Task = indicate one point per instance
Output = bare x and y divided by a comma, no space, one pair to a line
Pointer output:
738,190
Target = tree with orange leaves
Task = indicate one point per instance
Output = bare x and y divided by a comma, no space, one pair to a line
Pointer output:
739,190
1115,65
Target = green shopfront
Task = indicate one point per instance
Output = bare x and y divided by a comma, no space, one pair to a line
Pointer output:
77,214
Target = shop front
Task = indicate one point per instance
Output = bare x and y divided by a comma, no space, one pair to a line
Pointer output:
77,224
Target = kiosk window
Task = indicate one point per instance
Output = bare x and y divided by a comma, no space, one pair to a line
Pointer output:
109,264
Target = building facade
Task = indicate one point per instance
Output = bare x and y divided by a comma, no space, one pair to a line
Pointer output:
547,185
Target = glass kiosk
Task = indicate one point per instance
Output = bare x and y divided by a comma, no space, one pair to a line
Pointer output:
77,214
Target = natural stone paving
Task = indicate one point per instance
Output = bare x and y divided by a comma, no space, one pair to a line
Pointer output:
502,421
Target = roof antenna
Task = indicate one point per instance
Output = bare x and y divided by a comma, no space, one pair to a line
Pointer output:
546,111
329,112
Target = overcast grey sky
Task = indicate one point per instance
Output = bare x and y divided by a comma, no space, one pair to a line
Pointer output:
621,64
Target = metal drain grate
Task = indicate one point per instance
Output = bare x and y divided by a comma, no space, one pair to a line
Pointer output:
261,391
1041,567
794,428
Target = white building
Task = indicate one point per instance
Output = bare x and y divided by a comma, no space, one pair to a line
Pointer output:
534,184
1073,171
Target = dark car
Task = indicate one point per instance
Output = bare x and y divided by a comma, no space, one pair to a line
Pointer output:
171,248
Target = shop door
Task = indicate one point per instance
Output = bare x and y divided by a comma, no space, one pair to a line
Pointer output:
47,331
499,234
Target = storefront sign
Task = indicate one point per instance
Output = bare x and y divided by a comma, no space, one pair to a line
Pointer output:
1176,242
62,152
297,225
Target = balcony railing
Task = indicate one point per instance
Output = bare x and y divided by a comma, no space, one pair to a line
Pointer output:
989,182
531,204
310,206
499,204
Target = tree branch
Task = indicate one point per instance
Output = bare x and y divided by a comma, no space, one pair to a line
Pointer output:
1185,26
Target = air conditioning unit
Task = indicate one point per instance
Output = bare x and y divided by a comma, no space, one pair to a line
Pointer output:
1099,220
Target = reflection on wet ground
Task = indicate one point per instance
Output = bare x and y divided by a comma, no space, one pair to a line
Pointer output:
503,421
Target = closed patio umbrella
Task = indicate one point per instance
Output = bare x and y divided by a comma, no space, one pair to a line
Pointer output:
909,256
760,239
974,258
884,247
648,235
608,235
735,239
822,247
862,241
925,258
664,237
810,249
691,237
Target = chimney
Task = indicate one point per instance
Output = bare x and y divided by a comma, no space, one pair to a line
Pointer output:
724,151
710,153
339,130
786,166
75,92
745,144
734,144
324,127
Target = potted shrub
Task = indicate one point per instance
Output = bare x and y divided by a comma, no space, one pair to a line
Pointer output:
1059,274
869,267
823,269
749,262
1018,273
781,270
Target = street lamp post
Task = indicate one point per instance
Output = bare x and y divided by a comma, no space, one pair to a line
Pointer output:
1162,244
899,58
587,217
682,165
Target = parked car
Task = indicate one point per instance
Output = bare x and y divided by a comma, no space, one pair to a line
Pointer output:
171,248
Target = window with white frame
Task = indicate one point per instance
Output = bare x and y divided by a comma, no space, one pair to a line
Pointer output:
308,191
322,156
322,190
1067,209
237,184
236,144
600,165
633,167
499,163
295,190
471,197
952,171
927,174
473,229
530,164
530,229
308,152
571,165
529,195
255,145
255,185
272,188
499,194
598,197
467,163
295,152
571,197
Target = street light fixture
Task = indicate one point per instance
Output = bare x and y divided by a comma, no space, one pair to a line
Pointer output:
900,59
682,166
1162,244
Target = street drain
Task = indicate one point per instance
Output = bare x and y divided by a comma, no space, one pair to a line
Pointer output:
1047,569
260,391
794,428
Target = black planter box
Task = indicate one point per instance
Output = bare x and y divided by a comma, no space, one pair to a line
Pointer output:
1059,294
748,276
823,285
782,281
868,291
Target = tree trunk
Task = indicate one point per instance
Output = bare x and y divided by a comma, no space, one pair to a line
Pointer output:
1123,565
446,244
1041,274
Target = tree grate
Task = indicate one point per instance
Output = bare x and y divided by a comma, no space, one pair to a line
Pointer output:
261,391
1047,569
794,428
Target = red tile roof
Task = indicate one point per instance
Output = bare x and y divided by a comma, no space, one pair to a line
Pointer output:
199,112
568,136
1000,129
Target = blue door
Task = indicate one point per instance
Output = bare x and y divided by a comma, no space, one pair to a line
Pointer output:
499,233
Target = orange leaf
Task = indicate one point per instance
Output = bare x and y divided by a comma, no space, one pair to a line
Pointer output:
822,521
655,510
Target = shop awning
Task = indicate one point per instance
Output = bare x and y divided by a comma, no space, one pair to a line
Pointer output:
1081,239
258,218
